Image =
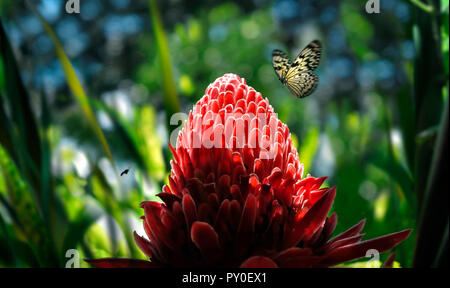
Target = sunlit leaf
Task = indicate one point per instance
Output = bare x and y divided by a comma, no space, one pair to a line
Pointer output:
171,101
105,195
148,142
308,148
78,228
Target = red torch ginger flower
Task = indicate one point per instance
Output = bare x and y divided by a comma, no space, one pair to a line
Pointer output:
237,196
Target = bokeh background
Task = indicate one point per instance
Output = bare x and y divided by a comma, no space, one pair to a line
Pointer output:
86,96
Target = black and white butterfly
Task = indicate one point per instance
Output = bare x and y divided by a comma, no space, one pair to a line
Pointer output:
298,76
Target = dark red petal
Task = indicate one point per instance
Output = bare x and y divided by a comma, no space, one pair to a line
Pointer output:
121,263
343,242
205,213
358,250
143,244
246,225
296,258
168,198
301,262
329,226
158,231
235,213
189,210
313,219
206,240
259,262
389,261
352,231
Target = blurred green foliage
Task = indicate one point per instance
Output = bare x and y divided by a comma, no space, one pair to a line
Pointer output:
59,190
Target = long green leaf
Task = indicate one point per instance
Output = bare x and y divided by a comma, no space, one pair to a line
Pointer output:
75,84
429,80
433,220
171,101
5,129
124,129
35,230
104,194
22,129
405,102
46,178
140,138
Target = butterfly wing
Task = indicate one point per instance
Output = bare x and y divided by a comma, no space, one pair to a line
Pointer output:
303,84
299,79
281,63
307,60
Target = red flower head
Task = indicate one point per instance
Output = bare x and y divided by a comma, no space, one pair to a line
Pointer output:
237,195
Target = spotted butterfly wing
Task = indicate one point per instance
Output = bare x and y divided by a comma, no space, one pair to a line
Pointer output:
303,84
297,76
281,63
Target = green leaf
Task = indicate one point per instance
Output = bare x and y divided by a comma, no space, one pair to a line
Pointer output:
9,243
105,195
308,148
5,128
170,95
75,85
24,204
46,177
23,143
399,174
358,29
148,142
405,102
78,228
123,128
444,5
427,134
141,138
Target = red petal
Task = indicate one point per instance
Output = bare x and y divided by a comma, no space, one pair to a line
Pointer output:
313,219
343,242
329,226
174,153
259,262
144,244
358,250
296,258
235,213
352,231
189,209
246,225
389,261
121,263
168,198
206,240
311,183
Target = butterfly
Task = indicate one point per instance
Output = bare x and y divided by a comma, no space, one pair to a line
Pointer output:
297,76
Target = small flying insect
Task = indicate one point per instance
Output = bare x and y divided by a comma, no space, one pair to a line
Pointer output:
298,76
124,172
